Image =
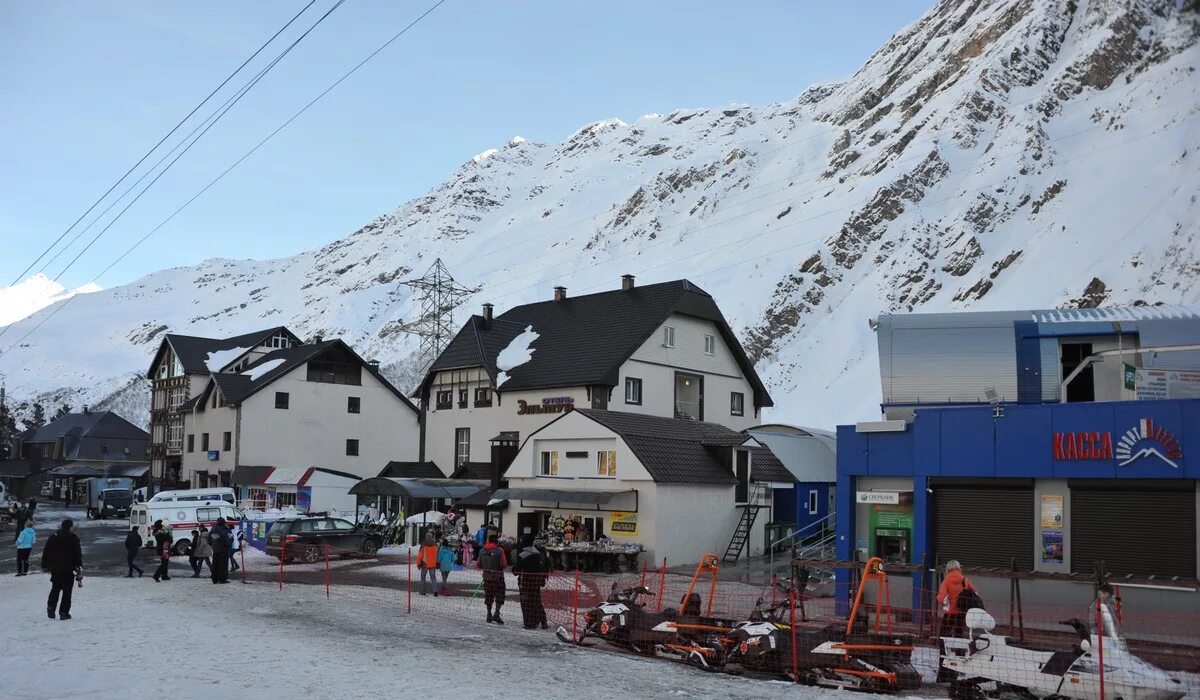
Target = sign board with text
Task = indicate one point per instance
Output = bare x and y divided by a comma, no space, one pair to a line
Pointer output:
879,497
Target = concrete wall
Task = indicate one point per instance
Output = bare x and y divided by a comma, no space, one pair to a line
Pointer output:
215,422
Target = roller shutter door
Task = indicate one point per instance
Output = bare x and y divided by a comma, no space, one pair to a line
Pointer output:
1134,528
984,527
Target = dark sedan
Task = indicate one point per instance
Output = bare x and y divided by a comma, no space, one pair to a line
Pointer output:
305,538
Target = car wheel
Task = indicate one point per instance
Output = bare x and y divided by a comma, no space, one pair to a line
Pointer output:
311,554
370,547
181,547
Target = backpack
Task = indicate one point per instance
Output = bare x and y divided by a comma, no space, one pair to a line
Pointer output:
969,598
491,559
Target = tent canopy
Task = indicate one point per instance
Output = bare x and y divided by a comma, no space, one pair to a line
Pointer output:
429,516
558,495
89,469
417,488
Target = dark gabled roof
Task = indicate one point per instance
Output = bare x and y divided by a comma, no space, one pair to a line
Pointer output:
247,475
193,351
765,466
236,388
473,470
584,340
672,450
412,470
93,424
190,404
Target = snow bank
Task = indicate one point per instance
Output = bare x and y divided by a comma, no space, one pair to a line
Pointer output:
515,354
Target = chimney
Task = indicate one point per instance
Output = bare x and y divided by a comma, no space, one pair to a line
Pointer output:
560,293
373,363
626,283
317,338
85,409
487,315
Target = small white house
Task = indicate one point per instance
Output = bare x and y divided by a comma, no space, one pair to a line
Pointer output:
305,489
680,488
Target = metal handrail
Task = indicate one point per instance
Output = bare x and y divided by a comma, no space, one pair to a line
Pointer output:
827,520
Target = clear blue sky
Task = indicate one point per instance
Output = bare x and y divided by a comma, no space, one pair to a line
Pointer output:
86,87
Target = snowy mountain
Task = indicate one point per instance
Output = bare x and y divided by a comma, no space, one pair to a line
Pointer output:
994,154
39,291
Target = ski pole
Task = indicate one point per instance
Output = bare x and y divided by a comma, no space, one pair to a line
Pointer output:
474,593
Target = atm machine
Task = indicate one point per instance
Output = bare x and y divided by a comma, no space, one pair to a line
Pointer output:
892,544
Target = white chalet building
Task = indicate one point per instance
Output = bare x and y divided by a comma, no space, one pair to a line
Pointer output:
660,350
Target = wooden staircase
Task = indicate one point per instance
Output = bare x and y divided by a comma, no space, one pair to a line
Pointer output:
741,534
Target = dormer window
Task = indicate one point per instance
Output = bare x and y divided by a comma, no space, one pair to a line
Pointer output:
279,340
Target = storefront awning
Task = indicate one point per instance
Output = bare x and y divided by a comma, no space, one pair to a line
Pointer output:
417,488
558,495
82,470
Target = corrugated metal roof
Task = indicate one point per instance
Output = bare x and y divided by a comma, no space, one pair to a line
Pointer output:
1116,313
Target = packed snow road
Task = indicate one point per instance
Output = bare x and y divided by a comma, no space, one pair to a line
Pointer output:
133,638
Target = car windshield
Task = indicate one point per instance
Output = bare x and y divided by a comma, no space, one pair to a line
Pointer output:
115,497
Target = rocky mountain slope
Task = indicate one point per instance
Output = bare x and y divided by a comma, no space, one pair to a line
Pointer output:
994,154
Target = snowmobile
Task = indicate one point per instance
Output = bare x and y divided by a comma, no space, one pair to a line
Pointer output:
686,635
850,656
988,665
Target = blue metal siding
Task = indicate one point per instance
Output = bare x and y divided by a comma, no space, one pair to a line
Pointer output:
1029,362
784,501
969,435
1017,451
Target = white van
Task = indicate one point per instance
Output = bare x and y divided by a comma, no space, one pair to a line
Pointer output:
182,516
210,494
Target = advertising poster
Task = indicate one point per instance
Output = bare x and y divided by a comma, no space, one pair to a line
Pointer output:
1052,547
1052,512
304,499
623,524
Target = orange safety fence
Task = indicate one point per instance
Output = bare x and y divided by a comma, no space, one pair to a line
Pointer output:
766,629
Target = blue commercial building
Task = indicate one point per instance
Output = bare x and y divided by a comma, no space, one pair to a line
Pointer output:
1045,441
810,455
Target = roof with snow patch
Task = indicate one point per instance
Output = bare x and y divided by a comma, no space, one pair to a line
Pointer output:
584,340
193,351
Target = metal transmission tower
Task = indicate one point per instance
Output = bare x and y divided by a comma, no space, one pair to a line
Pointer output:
439,295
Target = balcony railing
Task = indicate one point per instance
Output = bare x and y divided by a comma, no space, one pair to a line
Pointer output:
687,410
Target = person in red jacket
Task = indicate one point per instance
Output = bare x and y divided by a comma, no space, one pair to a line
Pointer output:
493,561
954,621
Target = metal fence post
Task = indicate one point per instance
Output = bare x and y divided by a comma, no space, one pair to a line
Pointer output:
327,571
662,583
282,556
1100,642
575,609
242,552
795,657
409,558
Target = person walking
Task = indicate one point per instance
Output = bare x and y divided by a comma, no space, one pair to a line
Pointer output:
162,546
446,557
427,562
25,539
480,539
493,561
202,552
133,544
237,541
954,620
21,516
63,558
531,568
220,538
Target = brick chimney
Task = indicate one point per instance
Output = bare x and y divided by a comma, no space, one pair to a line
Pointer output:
560,293
487,315
626,283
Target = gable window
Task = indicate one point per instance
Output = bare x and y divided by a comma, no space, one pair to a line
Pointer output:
462,446
710,345
281,399
332,372
549,463
633,391
227,441
353,404
279,340
668,336
351,448
737,404
606,462
204,442
444,400
483,397
191,442
462,398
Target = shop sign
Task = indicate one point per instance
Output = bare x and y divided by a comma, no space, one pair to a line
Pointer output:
1052,511
1130,374
623,523
214,455
551,404
1143,440
1154,385
891,498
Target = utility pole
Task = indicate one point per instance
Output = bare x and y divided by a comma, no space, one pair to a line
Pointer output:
439,294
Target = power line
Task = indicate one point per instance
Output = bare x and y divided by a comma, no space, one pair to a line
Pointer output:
225,172
161,141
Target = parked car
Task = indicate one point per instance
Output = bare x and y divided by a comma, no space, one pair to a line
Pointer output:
306,538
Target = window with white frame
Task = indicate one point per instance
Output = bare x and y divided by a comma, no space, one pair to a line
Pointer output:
257,498
633,391
175,436
606,462
176,395
812,502
549,463
279,340
283,500
668,336
710,345
462,446
737,403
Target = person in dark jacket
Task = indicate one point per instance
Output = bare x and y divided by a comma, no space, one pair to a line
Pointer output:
63,558
493,561
21,516
531,568
133,543
221,540
162,546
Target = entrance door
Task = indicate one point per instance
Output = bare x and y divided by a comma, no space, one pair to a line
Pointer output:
528,524
1083,386
742,490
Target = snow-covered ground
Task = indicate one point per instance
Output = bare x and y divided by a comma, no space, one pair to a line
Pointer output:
136,639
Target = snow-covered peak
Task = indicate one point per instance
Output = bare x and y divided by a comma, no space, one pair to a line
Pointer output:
25,298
